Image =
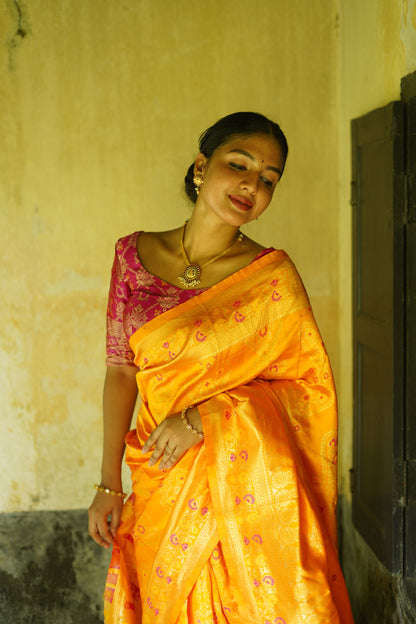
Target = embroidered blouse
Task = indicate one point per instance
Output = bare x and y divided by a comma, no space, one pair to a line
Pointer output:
136,297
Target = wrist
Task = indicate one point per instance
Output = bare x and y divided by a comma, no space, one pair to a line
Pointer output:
112,481
192,420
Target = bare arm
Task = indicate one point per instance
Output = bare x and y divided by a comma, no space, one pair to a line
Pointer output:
120,394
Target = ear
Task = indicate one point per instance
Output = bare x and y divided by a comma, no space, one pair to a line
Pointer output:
200,164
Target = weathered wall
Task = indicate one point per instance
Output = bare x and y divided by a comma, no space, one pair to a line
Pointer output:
101,104
377,47
101,107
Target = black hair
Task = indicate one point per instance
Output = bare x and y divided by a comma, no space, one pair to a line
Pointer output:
236,124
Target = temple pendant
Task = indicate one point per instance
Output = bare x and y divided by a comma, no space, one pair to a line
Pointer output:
190,276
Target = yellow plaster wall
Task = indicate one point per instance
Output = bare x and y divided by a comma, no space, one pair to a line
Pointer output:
377,47
101,103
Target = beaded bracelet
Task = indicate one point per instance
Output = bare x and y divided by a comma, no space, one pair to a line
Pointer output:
189,425
102,488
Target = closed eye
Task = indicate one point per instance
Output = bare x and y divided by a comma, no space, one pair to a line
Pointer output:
267,182
237,167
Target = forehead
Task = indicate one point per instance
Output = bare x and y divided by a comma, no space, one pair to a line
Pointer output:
261,147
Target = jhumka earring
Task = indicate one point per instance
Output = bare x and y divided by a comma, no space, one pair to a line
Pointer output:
198,181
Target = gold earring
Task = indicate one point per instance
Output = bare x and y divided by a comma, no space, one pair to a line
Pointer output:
198,181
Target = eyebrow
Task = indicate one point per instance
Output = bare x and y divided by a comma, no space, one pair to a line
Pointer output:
244,153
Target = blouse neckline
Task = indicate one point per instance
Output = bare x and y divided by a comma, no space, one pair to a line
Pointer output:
189,290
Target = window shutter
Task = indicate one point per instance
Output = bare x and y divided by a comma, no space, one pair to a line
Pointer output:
378,199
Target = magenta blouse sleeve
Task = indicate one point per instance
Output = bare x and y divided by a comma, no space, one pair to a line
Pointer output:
119,352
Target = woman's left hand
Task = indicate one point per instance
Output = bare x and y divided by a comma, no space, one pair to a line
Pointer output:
172,439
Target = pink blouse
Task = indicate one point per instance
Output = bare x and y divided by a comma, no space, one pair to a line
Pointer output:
136,297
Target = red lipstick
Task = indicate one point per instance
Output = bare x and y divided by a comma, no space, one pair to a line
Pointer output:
241,202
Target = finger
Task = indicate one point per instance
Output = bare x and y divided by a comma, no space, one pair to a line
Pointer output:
166,456
105,534
115,521
152,439
96,536
170,461
158,452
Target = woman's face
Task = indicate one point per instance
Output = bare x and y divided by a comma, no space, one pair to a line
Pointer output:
240,178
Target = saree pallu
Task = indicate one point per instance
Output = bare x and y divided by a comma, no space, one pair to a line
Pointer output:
242,528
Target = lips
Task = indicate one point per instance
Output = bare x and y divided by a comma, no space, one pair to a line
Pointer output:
241,202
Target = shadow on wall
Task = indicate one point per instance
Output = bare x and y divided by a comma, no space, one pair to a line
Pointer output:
50,569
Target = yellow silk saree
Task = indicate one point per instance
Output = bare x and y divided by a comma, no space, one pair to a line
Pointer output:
242,529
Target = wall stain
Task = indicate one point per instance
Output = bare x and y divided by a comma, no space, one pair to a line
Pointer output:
50,570
21,28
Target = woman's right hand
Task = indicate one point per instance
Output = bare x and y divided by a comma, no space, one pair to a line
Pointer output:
100,529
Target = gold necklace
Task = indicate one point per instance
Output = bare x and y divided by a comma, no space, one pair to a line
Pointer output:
192,272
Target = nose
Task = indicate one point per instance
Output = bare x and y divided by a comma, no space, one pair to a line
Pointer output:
250,182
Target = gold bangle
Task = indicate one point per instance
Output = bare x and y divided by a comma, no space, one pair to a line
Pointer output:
189,425
102,488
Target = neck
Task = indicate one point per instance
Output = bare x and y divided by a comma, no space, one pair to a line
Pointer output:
205,238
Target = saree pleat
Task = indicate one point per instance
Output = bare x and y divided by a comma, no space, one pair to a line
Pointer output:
242,528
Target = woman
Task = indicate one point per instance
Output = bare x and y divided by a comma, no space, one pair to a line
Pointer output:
232,516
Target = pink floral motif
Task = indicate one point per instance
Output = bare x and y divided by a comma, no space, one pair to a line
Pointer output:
140,528
244,455
204,510
274,368
276,296
192,504
158,377
215,554
156,611
296,428
246,541
233,457
256,583
197,323
274,282
168,579
257,538
184,547
238,317
237,500
237,304
200,336
269,580
249,498
159,572
228,414
166,345
172,355
263,332
174,539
